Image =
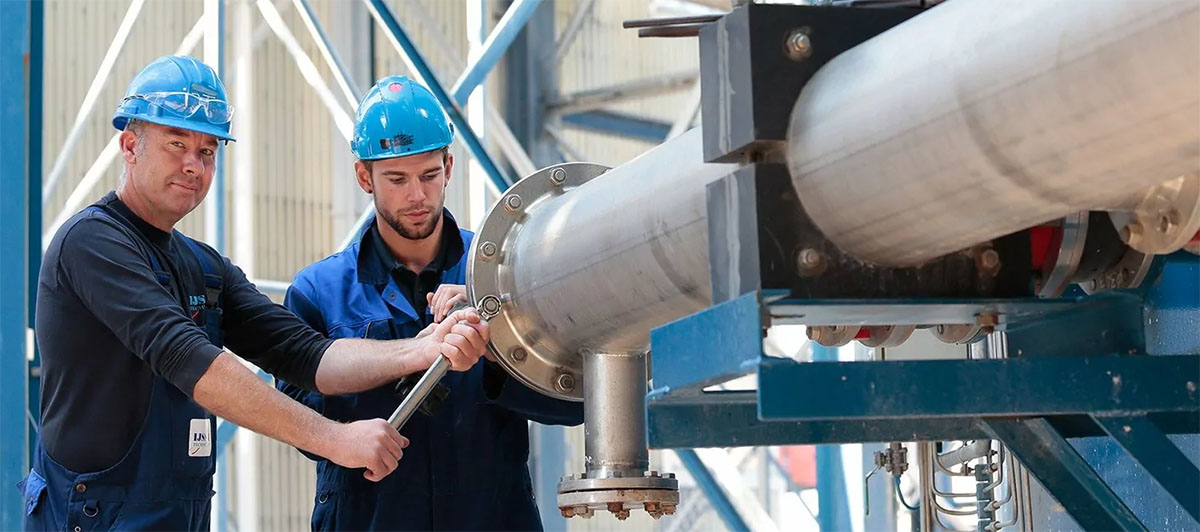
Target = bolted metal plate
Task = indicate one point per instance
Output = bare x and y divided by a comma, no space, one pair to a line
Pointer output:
657,494
489,281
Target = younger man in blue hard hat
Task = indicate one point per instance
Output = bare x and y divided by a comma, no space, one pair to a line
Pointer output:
466,468
132,318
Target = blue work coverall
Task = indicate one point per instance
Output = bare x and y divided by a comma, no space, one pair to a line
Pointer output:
466,466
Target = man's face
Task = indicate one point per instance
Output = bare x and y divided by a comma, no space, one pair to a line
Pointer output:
409,191
172,170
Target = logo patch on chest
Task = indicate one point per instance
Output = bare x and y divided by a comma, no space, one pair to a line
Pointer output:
200,438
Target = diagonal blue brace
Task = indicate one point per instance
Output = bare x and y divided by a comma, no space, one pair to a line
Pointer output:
507,29
713,490
1167,465
388,19
1065,474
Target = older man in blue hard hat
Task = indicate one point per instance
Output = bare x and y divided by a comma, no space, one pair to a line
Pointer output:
132,321
466,468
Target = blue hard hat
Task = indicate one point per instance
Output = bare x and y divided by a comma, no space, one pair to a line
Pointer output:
399,117
177,91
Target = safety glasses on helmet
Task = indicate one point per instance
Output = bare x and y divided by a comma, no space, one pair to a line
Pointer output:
186,104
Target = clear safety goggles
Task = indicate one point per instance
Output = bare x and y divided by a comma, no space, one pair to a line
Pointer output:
186,104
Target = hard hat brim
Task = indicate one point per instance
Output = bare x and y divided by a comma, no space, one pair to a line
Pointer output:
121,119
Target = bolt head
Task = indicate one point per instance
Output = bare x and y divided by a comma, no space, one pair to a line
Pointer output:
558,176
488,249
798,45
989,260
512,202
518,354
810,262
565,382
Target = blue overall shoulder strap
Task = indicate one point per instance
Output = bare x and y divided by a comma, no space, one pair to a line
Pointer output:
214,272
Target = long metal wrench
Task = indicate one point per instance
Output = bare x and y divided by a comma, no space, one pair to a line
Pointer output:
424,385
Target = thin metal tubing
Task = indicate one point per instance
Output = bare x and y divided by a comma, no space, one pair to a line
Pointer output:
568,37
497,43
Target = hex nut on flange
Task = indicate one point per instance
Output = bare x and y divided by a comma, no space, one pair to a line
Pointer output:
565,382
558,176
512,203
487,250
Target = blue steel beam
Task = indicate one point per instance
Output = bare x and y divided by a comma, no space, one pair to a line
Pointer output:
1024,386
713,490
383,14
14,240
1065,474
1165,462
36,68
497,43
677,365
833,507
619,124
730,419
340,72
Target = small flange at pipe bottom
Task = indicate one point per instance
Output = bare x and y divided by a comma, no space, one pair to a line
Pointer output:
617,476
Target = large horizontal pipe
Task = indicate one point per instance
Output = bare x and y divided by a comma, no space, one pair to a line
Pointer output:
979,118
598,267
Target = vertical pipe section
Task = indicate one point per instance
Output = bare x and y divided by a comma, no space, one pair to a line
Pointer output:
614,414
981,118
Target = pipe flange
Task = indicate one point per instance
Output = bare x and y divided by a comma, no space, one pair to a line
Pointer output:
644,482
887,335
489,270
832,335
1130,272
657,494
962,333
1059,268
1164,219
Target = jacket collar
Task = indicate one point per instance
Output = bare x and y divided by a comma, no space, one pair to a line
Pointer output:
375,263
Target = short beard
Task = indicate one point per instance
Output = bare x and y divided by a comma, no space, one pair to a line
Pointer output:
410,234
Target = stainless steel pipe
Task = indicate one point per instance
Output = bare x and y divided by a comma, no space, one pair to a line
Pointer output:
614,414
599,266
979,118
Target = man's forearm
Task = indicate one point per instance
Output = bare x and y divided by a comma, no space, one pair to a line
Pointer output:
353,365
231,391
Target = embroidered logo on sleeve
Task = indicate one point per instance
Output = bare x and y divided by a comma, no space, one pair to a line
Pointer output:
200,438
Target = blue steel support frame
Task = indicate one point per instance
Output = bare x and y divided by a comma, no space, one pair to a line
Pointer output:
1065,474
1052,389
15,23
397,31
832,496
36,66
713,490
619,124
1167,465
497,43
337,58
